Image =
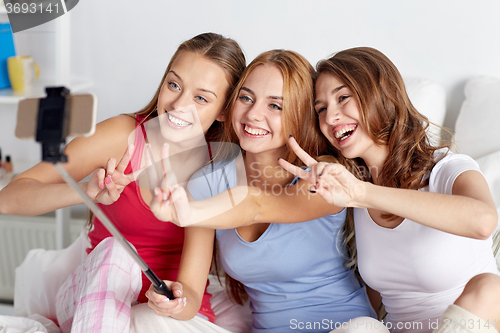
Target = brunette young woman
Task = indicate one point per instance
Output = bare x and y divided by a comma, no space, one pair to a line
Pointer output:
423,215
97,297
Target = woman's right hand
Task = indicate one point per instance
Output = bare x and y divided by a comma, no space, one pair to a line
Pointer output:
170,203
106,184
164,306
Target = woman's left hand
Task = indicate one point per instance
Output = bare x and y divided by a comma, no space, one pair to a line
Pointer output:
106,184
332,181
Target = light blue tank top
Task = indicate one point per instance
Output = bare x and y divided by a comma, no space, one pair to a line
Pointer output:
293,273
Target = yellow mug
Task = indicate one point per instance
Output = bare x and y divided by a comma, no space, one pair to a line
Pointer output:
23,71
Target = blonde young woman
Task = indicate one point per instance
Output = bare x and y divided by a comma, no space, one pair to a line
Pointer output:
293,273
423,217
97,297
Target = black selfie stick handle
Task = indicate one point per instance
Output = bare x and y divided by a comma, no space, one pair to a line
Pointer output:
159,286
51,133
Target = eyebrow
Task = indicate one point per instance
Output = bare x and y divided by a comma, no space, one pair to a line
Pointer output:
332,92
280,98
202,89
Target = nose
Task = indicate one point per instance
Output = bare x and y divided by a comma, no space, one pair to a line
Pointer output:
180,101
256,113
333,115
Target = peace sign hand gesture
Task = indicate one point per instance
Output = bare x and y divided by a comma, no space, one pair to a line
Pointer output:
170,202
332,181
106,184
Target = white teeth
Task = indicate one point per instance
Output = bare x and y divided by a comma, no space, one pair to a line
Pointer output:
340,133
255,131
177,121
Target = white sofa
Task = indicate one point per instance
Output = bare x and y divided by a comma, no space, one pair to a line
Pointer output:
476,136
476,132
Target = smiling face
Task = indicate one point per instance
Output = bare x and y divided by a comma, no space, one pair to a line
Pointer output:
257,113
340,119
192,97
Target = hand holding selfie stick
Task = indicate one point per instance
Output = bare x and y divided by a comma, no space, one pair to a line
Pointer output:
51,132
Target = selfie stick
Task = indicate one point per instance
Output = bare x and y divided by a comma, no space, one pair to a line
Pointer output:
51,132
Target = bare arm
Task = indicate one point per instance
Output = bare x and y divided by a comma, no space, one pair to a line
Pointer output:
40,189
469,212
192,278
242,206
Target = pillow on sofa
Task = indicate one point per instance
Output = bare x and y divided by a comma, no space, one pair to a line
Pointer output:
476,128
490,167
429,98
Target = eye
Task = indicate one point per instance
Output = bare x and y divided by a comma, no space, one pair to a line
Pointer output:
318,111
174,85
201,99
275,107
245,98
343,98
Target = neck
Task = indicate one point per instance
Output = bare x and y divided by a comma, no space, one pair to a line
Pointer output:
263,170
375,161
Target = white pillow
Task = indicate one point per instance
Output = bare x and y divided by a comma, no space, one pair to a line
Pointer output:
40,275
476,128
429,98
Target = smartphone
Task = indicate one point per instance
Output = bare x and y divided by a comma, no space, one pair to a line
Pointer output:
81,116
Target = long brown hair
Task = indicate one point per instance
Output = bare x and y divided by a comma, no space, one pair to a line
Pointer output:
389,118
224,52
298,118
387,113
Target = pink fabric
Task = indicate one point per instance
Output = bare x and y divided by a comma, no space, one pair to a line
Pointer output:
97,297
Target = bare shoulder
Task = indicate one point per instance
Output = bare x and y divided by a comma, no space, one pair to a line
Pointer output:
111,136
122,124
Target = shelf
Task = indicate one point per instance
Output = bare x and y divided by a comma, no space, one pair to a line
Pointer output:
8,96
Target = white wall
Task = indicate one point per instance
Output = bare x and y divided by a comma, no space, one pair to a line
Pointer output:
124,45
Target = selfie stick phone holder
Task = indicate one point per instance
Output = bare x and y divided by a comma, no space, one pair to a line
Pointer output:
52,128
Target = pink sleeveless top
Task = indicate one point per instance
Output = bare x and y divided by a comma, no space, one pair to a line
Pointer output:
158,243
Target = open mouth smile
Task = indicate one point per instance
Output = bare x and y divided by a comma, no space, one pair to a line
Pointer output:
254,132
177,121
344,133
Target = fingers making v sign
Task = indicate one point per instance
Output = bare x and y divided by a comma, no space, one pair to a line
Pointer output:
332,181
106,184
